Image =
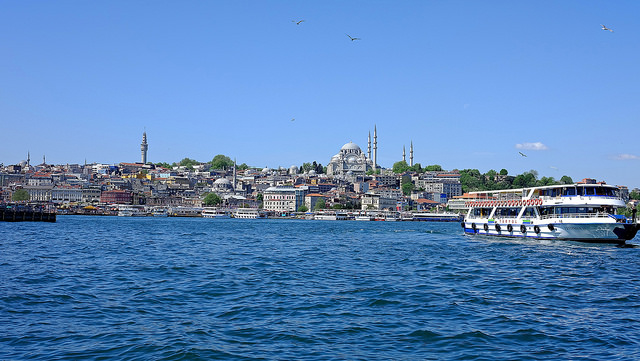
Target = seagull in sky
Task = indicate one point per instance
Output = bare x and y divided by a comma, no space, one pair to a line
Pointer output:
297,22
522,154
606,28
352,39
293,119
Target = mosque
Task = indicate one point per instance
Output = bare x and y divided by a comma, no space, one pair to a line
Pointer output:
351,160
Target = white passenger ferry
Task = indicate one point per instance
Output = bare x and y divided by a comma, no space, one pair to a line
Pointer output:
249,213
577,212
436,217
330,216
126,210
217,213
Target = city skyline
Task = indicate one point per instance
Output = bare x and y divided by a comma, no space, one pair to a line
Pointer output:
470,85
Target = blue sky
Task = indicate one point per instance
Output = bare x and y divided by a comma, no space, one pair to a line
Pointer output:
471,83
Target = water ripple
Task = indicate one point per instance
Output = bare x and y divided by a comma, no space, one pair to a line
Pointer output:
186,289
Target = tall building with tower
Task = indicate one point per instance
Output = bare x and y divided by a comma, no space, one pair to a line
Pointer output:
143,148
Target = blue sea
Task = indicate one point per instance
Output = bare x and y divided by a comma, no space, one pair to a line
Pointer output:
97,288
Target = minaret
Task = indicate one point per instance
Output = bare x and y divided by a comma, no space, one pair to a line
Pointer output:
411,155
143,148
375,149
28,158
404,154
369,147
235,165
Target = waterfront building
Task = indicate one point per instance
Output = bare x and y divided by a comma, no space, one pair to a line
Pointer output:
39,193
391,193
311,199
451,187
280,199
64,194
40,179
377,202
116,196
91,194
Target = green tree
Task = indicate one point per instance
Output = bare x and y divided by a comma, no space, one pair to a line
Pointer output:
307,167
337,206
491,175
503,171
400,167
546,181
163,165
407,188
634,195
212,199
243,166
260,197
416,168
471,180
188,163
221,162
20,195
566,180
302,208
433,168
320,204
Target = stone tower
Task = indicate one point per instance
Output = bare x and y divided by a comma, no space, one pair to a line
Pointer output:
143,148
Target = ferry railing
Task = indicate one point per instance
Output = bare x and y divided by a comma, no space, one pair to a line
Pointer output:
576,215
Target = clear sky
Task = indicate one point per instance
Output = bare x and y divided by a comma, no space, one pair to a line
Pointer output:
471,83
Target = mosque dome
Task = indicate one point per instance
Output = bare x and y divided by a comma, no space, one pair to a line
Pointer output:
222,181
293,169
351,146
266,170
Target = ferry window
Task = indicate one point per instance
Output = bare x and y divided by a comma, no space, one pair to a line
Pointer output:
589,191
568,191
600,191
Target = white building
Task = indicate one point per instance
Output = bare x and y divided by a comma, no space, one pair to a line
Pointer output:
377,202
66,194
280,199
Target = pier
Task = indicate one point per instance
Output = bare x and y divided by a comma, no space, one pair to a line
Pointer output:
30,212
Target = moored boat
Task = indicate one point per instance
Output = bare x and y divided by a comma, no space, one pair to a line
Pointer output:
216,213
330,216
436,217
249,213
126,210
576,212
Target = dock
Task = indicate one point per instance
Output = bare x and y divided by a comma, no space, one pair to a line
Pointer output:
29,212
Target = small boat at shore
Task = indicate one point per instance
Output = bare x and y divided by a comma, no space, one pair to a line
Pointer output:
576,212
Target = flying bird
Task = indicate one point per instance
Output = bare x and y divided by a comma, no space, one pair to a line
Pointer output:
352,39
293,119
606,28
522,154
297,22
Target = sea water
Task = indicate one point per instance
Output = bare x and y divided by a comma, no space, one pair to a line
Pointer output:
91,288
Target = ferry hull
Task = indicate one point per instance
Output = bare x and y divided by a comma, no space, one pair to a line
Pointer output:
581,232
